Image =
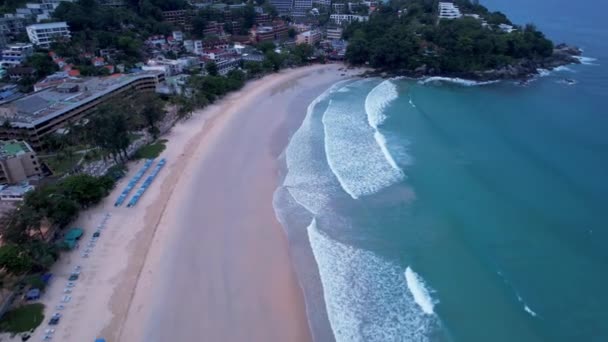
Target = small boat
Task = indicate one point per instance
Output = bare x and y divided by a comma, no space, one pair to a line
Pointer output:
569,81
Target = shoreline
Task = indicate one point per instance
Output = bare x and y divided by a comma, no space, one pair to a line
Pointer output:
256,272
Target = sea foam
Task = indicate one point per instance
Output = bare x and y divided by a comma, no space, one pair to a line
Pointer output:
455,80
586,60
419,291
377,100
365,296
308,180
357,156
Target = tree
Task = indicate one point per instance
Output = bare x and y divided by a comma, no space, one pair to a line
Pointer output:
253,68
43,64
271,10
292,32
14,259
303,52
273,61
248,16
358,49
199,22
211,68
152,109
86,190
108,129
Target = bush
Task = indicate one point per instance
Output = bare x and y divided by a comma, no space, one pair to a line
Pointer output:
22,319
150,151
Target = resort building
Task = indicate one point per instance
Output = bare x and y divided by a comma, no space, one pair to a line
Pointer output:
322,2
301,7
16,54
309,37
283,7
42,113
279,31
43,35
334,33
181,18
342,19
506,28
447,10
10,27
18,162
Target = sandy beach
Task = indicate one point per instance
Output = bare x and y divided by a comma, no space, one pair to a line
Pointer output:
202,256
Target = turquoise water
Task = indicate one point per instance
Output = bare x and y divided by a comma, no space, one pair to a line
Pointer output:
438,211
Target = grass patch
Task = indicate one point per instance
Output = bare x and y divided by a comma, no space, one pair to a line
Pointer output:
22,319
62,164
150,151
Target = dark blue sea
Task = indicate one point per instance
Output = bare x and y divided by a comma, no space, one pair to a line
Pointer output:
444,210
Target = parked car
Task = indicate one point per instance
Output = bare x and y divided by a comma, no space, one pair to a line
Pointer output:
55,319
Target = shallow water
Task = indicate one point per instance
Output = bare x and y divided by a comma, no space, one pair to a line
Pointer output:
445,210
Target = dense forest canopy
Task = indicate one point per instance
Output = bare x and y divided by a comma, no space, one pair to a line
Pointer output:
407,34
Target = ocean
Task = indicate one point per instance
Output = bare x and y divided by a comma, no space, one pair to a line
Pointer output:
444,210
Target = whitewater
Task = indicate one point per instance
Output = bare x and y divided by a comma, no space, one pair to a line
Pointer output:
356,151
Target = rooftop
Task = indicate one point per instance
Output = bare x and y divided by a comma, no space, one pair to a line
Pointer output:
15,191
48,103
48,25
10,148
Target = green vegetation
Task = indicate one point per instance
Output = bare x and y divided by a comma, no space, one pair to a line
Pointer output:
9,6
95,26
150,151
22,319
416,38
62,163
204,90
27,229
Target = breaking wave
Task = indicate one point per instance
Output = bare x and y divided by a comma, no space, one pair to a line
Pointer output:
357,156
455,80
586,60
419,291
308,180
365,296
377,100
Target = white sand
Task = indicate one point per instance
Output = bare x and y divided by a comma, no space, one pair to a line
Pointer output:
126,282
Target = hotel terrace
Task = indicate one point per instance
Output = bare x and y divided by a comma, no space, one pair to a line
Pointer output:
35,116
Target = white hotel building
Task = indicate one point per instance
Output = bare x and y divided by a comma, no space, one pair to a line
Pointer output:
447,10
44,34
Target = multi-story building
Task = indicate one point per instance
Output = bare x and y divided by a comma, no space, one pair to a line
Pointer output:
301,7
263,19
181,18
278,31
309,37
44,34
322,2
15,54
283,7
447,10
10,27
334,33
340,19
33,117
18,162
